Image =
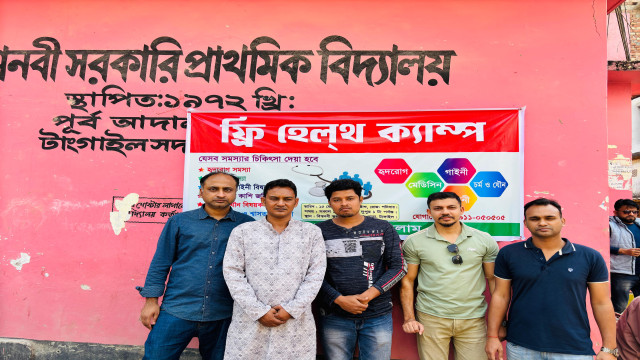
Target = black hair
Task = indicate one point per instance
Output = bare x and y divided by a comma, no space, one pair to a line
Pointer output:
441,196
342,184
625,202
204,178
542,202
285,183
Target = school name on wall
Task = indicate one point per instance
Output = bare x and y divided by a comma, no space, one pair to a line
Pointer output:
163,61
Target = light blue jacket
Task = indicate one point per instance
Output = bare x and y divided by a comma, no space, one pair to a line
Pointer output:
621,237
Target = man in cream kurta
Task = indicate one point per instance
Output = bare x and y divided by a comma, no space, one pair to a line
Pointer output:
274,269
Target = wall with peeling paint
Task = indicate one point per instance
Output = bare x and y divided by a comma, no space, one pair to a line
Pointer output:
71,256
619,140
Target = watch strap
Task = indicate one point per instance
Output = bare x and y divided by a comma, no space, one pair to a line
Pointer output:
613,352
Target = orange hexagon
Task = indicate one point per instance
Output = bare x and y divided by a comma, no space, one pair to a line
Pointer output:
467,196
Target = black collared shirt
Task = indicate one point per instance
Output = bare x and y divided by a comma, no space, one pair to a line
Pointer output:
548,310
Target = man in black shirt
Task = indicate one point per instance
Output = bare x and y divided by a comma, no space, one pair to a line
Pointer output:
364,261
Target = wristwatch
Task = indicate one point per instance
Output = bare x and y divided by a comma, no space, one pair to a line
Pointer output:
613,352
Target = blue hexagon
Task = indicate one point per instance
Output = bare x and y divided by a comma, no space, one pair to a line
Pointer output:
456,170
489,184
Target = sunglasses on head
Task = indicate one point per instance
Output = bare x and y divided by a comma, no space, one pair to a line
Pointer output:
627,212
456,259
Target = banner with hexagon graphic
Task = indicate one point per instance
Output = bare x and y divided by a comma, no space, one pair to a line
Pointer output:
400,158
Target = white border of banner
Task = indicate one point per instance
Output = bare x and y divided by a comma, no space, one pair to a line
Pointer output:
187,165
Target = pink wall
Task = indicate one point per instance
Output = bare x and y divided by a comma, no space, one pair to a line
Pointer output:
615,48
55,205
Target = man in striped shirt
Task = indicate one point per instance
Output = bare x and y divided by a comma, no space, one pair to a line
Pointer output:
364,261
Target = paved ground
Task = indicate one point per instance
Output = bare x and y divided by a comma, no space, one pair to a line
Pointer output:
22,349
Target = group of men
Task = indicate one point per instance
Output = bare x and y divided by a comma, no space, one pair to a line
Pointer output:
542,282
245,287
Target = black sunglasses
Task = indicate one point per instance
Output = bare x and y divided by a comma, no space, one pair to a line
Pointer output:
627,212
456,259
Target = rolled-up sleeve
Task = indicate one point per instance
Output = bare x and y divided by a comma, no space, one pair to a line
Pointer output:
154,284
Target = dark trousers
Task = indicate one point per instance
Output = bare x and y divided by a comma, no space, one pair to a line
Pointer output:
171,335
621,284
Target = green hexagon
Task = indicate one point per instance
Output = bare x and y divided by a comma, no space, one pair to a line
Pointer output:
421,185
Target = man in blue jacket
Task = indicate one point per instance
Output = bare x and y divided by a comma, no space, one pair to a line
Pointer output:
364,261
196,301
624,237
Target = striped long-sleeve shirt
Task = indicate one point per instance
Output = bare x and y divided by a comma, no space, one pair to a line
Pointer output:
358,258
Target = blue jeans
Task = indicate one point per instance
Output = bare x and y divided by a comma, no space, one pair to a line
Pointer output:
171,335
620,286
516,352
339,336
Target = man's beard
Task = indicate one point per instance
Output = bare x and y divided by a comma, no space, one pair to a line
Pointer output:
625,220
347,215
220,205
448,224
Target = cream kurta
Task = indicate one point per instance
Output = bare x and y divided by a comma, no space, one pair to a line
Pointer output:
263,269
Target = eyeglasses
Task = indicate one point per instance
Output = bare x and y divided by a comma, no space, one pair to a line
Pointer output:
627,212
456,259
